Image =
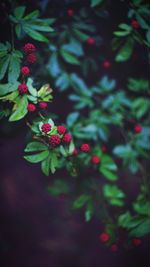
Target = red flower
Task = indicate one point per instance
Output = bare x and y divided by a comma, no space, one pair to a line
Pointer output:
31,107
75,152
61,129
104,237
136,241
95,159
104,149
54,140
23,88
43,105
114,248
46,127
67,138
137,128
25,71
91,41
29,48
85,148
135,24
106,64
31,58
70,12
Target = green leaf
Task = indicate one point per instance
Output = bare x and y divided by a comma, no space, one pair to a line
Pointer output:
37,157
142,229
121,33
95,3
4,62
124,219
32,15
14,67
72,118
53,161
126,51
53,65
82,36
35,146
20,110
63,81
34,34
74,47
108,174
79,85
41,28
80,201
45,166
19,12
59,186
31,89
89,210
69,58
112,191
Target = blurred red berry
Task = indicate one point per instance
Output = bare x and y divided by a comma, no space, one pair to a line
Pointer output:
61,129
91,41
29,48
54,140
137,128
75,152
104,149
25,71
106,64
31,58
67,138
43,105
85,148
104,237
70,12
135,24
31,107
23,88
95,159
46,127
114,248
136,241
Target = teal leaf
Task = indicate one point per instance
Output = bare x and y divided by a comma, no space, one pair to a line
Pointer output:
37,157
35,146
20,109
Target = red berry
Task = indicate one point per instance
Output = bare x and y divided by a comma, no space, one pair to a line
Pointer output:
95,159
46,127
29,48
31,58
54,140
104,237
106,64
25,71
135,24
61,129
75,152
91,41
70,12
23,88
114,248
31,107
104,149
43,105
67,138
137,128
136,241
85,148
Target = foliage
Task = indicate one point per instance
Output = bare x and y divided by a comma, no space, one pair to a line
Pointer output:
112,119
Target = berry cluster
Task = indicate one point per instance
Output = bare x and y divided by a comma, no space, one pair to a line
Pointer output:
59,136
30,57
105,238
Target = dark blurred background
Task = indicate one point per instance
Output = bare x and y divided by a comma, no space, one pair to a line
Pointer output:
37,229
